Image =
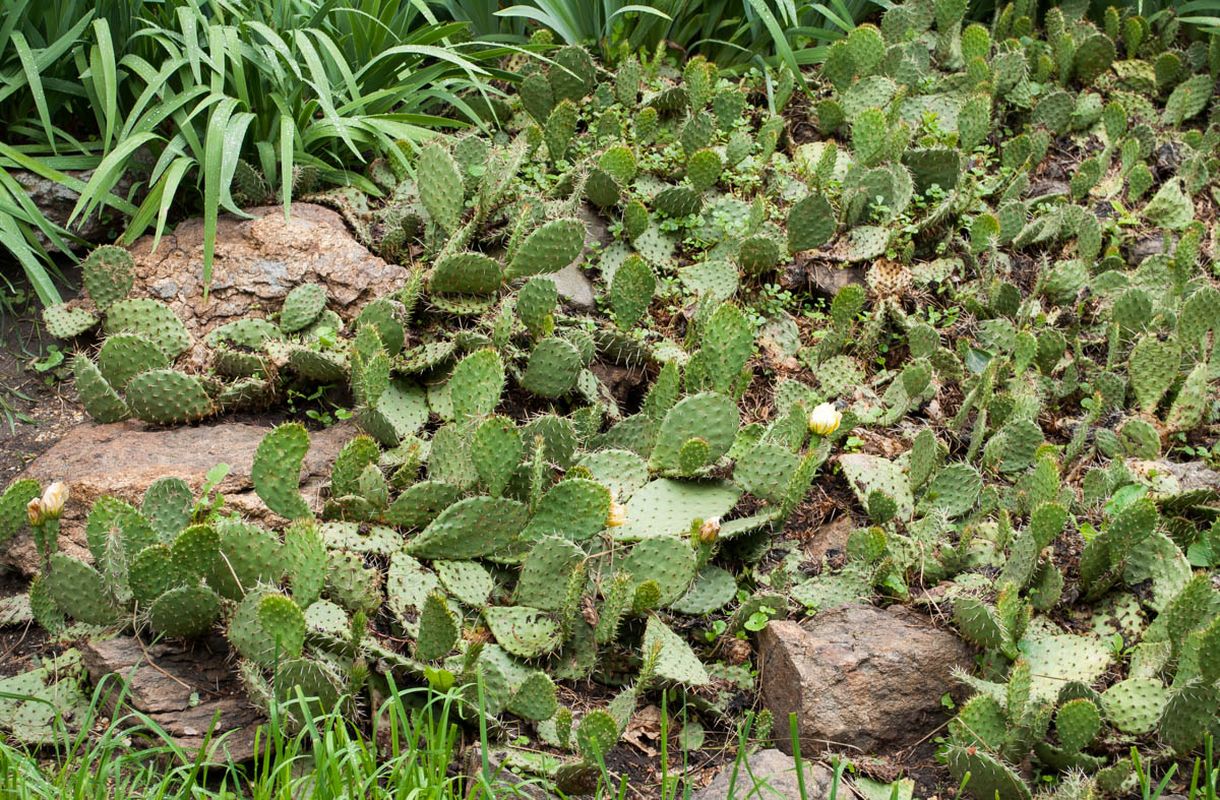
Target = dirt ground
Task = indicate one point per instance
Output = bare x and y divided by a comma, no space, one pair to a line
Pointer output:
36,408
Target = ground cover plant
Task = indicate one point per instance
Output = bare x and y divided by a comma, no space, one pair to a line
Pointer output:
1009,389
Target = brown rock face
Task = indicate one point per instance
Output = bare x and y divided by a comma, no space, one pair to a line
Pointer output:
858,676
124,458
257,262
186,692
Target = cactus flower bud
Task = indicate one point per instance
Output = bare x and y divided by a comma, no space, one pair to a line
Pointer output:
53,500
617,515
824,420
709,530
33,510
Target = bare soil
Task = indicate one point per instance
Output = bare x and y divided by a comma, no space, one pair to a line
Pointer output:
36,408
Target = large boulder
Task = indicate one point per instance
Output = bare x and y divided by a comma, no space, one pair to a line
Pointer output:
257,262
767,775
859,676
122,459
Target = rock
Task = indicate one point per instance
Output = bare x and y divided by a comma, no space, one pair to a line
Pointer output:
56,201
574,287
1170,477
1152,244
182,690
626,384
767,775
811,272
122,459
597,229
519,773
859,676
257,262
830,539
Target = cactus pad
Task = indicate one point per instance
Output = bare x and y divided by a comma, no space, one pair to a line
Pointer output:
166,396
470,528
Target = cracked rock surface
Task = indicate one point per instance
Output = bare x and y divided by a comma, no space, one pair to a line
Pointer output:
257,262
859,676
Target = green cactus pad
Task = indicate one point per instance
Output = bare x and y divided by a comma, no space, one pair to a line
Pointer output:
544,573
536,302
574,75
708,416
675,660
79,591
167,397
248,555
421,503
575,508
185,612
108,274
276,471
548,249
980,722
351,461
1152,369
438,629
990,778
408,585
168,504
351,584
811,223
469,583
764,470
99,398
954,490
869,473
476,384
596,734
1187,715
537,97
13,506
325,617
666,507
712,589
523,631
153,320
1077,722
318,682
467,273
302,306
152,573
621,471
631,291
1056,659
449,457
65,322
535,698
319,366
496,449
553,367
250,332
440,186
668,561
470,528
194,551
401,410
602,190
678,201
